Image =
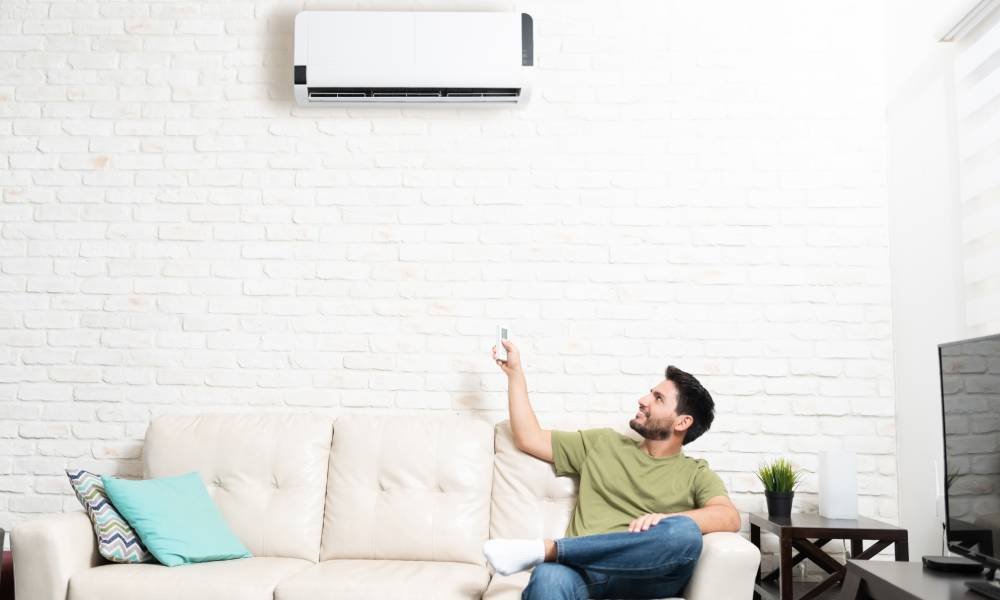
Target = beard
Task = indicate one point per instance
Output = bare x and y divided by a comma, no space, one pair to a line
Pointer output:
652,429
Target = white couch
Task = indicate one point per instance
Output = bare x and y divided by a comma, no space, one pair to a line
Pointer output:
350,508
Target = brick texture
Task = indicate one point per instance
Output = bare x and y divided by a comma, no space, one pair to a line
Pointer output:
694,183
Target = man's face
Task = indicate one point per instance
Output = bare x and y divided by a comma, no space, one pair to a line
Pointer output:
657,414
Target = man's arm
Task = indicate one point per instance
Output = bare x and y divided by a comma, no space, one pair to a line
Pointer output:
718,514
528,434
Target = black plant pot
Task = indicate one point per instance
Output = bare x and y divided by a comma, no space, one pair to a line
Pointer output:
779,504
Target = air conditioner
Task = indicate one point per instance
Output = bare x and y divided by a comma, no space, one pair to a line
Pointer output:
363,57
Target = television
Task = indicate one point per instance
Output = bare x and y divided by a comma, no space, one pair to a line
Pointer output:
970,401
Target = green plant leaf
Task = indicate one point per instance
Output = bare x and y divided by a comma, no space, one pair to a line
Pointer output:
779,476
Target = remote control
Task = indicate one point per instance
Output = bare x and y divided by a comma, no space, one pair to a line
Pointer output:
503,333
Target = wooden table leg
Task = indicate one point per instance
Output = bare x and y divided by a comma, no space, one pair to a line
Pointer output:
902,548
755,540
857,546
785,544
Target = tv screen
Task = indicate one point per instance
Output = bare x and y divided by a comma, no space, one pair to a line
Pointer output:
970,396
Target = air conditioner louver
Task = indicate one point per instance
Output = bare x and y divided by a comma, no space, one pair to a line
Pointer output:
333,94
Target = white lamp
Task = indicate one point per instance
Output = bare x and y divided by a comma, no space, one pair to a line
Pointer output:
838,485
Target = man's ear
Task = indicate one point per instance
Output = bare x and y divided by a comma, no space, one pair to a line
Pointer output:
682,423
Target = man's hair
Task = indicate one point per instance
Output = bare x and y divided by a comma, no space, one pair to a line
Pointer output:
694,400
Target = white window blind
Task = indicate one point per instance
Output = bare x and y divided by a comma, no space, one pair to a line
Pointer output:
977,100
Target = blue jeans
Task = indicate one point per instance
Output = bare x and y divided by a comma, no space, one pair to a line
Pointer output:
655,563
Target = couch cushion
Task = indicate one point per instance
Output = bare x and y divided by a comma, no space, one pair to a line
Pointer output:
243,579
509,587
529,500
409,488
349,579
267,473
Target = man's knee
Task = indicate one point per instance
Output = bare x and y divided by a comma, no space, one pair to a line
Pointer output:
684,535
552,580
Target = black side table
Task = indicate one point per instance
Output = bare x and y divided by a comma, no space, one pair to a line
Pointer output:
884,580
807,533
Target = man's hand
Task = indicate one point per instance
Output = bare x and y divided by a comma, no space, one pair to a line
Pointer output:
645,522
717,514
513,363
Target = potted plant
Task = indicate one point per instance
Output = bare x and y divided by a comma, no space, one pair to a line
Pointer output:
780,480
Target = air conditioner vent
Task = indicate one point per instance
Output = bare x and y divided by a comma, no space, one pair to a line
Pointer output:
379,92
388,94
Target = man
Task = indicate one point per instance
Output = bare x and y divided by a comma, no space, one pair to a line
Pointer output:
642,506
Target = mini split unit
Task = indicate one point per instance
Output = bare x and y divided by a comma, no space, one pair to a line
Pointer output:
365,57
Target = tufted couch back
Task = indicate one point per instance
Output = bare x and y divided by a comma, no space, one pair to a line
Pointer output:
528,500
409,488
365,486
267,473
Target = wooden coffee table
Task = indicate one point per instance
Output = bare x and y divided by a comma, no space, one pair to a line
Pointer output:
807,533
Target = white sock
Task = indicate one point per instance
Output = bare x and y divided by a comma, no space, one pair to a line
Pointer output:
511,556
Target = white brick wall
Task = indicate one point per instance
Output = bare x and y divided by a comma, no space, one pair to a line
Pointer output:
695,183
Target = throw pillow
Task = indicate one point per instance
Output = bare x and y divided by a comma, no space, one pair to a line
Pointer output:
176,519
116,541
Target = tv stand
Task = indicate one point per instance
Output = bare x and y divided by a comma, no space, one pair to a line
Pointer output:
887,580
984,588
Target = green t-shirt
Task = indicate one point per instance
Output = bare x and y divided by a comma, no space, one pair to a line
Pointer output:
619,481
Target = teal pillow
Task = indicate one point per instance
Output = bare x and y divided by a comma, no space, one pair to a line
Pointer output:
176,519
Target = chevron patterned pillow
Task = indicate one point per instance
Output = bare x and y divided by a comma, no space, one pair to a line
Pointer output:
116,540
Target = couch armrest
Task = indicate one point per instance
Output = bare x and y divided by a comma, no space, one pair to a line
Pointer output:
48,551
726,569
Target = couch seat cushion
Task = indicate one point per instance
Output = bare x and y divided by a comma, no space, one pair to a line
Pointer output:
360,579
509,587
241,579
